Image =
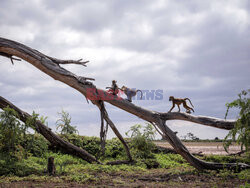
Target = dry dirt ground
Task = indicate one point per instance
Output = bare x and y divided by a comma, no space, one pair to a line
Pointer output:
154,179
207,148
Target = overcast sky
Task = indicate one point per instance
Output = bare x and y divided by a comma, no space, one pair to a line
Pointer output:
196,49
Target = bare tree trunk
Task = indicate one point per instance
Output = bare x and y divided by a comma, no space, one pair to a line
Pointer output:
51,67
104,130
105,116
49,135
51,166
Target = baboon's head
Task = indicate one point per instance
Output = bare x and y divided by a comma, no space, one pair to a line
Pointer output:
171,98
123,88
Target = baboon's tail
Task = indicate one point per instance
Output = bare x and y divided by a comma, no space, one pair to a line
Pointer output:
189,101
140,91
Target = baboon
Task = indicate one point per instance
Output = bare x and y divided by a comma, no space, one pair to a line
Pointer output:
179,102
130,92
114,88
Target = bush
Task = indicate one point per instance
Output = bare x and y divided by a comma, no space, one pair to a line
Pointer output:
11,132
20,168
114,148
35,144
151,163
141,141
90,144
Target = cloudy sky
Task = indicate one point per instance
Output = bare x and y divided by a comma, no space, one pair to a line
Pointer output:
196,49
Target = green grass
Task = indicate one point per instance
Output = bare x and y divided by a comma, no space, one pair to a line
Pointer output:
244,175
69,165
227,159
75,170
171,160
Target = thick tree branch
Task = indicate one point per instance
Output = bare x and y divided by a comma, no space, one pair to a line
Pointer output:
51,68
204,120
49,135
48,66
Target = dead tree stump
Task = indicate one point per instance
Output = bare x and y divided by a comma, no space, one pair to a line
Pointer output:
51,166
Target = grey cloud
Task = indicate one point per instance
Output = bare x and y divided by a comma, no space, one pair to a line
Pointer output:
189,49
22,13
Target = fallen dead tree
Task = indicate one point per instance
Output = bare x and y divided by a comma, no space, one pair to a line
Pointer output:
51,66
54,139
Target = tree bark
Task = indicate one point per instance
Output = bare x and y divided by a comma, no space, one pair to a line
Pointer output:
51,166
51,67
49,135
105,116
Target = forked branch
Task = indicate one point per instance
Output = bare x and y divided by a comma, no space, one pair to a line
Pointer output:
10,57
105,116
77,62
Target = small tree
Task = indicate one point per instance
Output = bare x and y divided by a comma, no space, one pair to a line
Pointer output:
241,131
190,136
141,140
64,123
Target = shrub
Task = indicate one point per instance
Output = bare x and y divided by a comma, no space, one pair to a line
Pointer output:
12,130
141,141
35,144
114,149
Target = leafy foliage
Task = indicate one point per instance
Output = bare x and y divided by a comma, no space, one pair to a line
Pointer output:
114,147
35,144
90,144
241,132
64,123
15,141
30,122
141,140
11,132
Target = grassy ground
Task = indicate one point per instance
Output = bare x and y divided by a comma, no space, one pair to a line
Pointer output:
73,172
